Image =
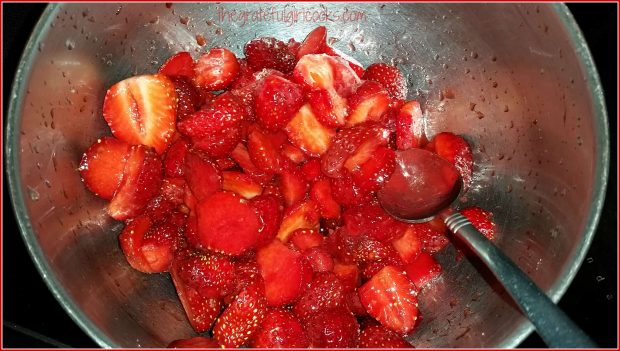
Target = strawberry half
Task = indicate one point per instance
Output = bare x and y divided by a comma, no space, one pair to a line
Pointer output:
377,336
369,103
391,298
241,184
454,149
142,110
276,102
304,215
227,223
179,64
197,342
308,134
269,53
390,77
202,176
481,220
313,43
422,269
280,329
409,126
293,186
335,328
141,181
216,69
101,167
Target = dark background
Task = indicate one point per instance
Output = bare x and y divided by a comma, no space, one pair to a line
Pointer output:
33,318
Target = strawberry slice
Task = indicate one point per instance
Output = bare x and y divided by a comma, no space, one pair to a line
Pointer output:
324,72
335,328
264,151
319,259
276,102
217,129
369,103
159,208
311,170
408,245
390,77
225,163
304,215
454,149
269,211
355,66
376,171
241,184
330,108
481,220
280,329
372,220
321,193
241,155
242,319
179,64
174,159
313,43
197,342
391,298
377,336
201,312
284,272
349,276
293,187
189,99
293,46
353,303
422,269
101,167
306,238
409,126
293,153
142,110
216,69
269,53
141,181
211,274
227,223
325,293
308,134
433,240
202,176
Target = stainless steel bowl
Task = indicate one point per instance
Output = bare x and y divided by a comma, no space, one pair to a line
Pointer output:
516,79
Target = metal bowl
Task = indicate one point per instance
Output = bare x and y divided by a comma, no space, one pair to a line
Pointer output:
516,79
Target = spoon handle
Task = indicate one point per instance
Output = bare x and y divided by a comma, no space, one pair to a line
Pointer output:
555,328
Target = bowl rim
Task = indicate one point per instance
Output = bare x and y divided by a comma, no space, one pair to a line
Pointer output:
556,291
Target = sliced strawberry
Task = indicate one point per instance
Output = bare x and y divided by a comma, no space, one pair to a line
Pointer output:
390,77
284,272
355,66
293,186
372,220
335,328
373,256
174,160
319,259
245,77
341,246
324,72
179,64
173,190
225,163
313,43
329,108
269,53
391,298
142,110
377,336
101,167
202,176
141,181
408,245
481,220
246,272
189,99
216,69
293,153
409,126
280,329
325,292
369,103
276,102
455,149
264,151
211,274
347,193
293,47
321,193
311,170
131,242
308,134
422,269
227,223
353,303
433,240
217,129
348,275
241,155
191,232
306,238
376,171
197,342
159,208
304,215
241,184
269,212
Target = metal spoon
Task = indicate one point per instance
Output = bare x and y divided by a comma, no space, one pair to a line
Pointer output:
425,185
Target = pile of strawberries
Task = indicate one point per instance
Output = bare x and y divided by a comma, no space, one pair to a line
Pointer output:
252,181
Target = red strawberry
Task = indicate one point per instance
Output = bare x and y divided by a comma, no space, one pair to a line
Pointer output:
225,163
216,69
284,272
372,220
390,77
264,151
179,64
173,190
280,329
311,170
376,171
304,215
142,110
269,53
308,134
241,155
131,242
329,107
341,246
174,160
313,43
352,300
227,223
377,336
409,126
101,167
202,176
211,274
293,46
321,193
325,293
241,184
197,342
422,269
293,153
374,256
335,328
319,259
481,220
391,298
141,181
276,102
432,239
217,129
189,99
247,272
245,77
408,245
323,72
306,238
348,274
159,208
293,187
347,193
369,103
269,212
355,66
454,149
